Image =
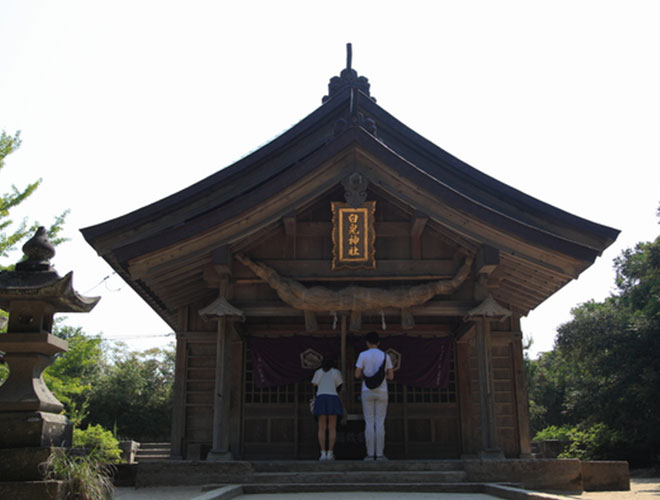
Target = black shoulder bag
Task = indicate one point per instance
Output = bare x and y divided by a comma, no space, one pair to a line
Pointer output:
377,378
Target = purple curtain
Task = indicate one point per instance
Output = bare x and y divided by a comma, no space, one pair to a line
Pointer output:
419,362
422,362
285,360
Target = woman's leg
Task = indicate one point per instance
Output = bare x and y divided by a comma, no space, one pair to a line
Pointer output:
323,425
332,431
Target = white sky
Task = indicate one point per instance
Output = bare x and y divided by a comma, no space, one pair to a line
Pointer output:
122,103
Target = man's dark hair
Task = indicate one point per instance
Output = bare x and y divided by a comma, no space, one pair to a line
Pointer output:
373,338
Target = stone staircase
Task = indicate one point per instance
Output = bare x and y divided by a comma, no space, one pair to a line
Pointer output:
441,476
503,478
288,477
152,452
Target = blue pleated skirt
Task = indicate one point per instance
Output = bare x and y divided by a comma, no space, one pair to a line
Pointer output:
327,404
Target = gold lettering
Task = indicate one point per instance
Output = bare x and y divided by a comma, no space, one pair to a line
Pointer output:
353,251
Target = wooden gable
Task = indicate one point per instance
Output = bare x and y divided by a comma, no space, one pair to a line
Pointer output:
276,203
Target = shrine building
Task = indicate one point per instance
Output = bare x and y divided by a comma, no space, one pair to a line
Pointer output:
348,222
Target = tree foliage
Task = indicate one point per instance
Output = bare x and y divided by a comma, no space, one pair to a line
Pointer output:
135,394
11,234
74,373
128,391
603,375
99,442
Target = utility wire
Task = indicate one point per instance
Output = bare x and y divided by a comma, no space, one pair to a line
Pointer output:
104,281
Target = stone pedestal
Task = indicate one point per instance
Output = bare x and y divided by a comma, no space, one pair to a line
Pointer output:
27,356
23,429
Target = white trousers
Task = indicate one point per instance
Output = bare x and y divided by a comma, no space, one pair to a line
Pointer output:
374,407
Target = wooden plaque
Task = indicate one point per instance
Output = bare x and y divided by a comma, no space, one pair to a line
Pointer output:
353,235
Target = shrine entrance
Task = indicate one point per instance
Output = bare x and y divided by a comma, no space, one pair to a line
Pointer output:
421,423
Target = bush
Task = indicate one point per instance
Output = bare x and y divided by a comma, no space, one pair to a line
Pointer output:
99,443
84,477
597,442
562,433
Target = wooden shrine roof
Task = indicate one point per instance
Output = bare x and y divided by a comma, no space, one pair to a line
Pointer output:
542,246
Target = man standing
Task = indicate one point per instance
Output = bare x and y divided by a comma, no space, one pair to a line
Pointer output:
374,367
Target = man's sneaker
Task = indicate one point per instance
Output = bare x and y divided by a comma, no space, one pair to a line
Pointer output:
368,458
381,457
330,455
324,455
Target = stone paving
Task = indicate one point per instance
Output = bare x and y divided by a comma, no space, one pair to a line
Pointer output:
640,489
189,493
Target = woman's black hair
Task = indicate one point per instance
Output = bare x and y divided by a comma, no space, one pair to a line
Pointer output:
327,364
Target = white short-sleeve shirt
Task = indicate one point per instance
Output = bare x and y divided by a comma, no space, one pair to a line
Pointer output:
327,382
370,361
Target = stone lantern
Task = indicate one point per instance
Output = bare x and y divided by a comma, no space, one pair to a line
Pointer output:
30,419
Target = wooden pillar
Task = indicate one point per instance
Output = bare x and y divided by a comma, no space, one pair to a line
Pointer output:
488,447
522,400
179,392
344,369
223,362
465,397
235,407
222,394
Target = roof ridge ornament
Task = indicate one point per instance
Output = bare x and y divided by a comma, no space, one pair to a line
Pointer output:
348,78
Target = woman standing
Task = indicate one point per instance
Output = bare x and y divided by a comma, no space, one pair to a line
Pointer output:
327,405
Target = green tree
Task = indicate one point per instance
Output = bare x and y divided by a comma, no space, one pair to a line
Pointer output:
603,376
135,395
74,373
11,234
548,378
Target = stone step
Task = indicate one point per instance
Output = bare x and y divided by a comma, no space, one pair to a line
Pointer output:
154,446
430,487
152,452
356,465
362,477
152,456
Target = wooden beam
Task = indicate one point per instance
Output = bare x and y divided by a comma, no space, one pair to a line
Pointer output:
289,222
318,229
417,226
221,258
321,270
311,323
407,319
277,308
487,259
464,329
173,268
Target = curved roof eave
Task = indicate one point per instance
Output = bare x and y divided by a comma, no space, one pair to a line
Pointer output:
359,136
178,199
605,233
